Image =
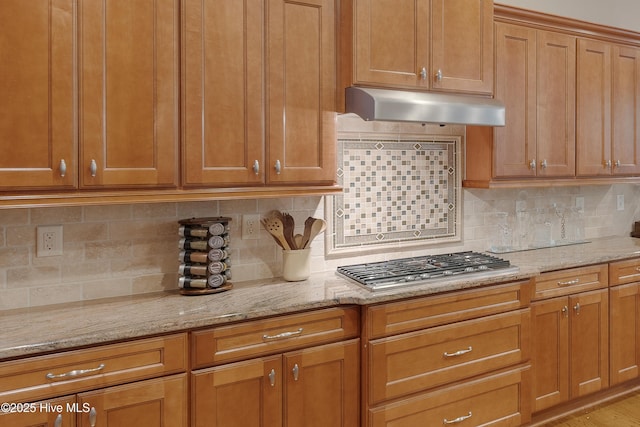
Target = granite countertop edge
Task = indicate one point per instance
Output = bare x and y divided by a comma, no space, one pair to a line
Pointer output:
28,332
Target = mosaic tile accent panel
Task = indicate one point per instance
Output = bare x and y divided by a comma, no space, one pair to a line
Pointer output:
396,191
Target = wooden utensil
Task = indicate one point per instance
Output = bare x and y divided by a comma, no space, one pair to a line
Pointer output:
312,227
288,226
275,227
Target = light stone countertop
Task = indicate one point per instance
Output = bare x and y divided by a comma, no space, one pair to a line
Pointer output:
45,329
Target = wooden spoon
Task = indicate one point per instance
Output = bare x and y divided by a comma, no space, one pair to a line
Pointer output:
317,227
307,232
275,227
288,225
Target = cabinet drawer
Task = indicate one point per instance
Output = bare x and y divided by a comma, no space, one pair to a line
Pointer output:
417,361
623,272
261,337
570,281
497,400
78,370
420,313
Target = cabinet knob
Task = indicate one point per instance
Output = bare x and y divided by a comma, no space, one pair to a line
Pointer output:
278,167
576,308
607,164
618,163
439,76
423,73
256,167
63,168
272,378
532,164
543,164
93,168
565,311
58,421
296,372
92,417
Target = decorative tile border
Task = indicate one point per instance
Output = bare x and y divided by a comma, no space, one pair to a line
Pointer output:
397,192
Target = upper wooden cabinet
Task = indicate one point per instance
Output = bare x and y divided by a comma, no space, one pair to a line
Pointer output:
440,45
127,82
535,78
128,93
37,136
608,104
250,121
223,92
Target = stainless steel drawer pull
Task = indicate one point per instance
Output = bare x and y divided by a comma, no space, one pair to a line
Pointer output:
577,308
256,167
63,168
457,420
458,353
282,335
296,372
569,282
58,422
74,373
93,168
272,378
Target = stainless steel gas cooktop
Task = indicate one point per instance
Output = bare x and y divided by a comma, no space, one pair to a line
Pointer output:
417,270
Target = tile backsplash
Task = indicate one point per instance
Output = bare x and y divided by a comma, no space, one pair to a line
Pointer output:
119,250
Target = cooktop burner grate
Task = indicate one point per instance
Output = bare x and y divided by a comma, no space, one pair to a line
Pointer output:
385,274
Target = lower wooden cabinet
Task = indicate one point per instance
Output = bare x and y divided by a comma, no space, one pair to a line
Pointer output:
317,386
500,399
570,347
624,328
42,414
152,403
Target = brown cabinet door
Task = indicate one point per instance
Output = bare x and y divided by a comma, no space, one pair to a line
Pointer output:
49,413
556,94
242,394
550,352
223,93
37,135
322,386
301,92
624,339
515,143
391,42
462,45
152,403
589,342
626,111
128,93
593,109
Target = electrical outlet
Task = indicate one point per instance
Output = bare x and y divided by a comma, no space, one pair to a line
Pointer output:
251,227
49,240
620,202
580,203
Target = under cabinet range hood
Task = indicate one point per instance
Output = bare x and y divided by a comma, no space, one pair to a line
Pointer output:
423,107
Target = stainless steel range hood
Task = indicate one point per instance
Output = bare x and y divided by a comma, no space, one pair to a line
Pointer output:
423,107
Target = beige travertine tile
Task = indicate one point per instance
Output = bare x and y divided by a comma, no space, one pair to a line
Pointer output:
143,229
14,298
33,276
154,283
54,294
107,250
108,213
86,270
56,215
198,209
106,288
85,232
14,257
14,216
155,210
23,235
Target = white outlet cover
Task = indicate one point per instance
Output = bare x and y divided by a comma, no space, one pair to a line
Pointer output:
251,227
49,240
